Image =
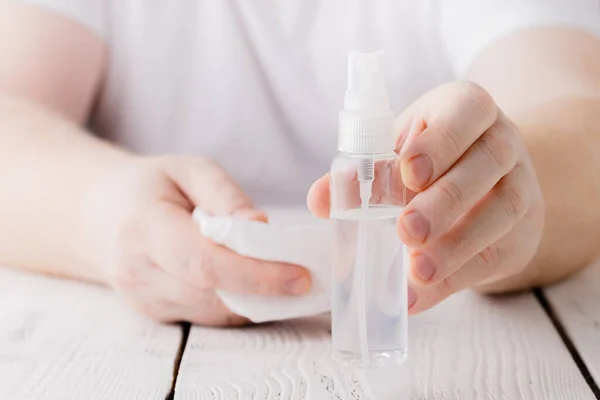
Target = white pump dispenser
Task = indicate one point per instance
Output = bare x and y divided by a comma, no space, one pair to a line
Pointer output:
365,123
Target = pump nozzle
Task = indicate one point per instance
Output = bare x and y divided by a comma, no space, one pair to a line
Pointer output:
366,120
366,90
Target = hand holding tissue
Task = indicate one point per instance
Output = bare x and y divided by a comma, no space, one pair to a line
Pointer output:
303,245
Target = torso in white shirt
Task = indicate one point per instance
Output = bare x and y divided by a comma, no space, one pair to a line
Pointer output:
257,85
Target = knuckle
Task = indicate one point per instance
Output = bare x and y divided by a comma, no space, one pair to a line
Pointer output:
266,284
452,194
189,295
272,282
489,257
445,287
252,284
514,202
517,202
498,149
479,98
456,239
249,279
199,268
460,241
450,138
232,198
235,198
127,274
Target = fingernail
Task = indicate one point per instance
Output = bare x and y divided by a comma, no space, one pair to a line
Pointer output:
416,225
250,214
423,267
297,286
412,297
419,171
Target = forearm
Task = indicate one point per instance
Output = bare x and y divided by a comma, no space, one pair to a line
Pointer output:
563,140
49,169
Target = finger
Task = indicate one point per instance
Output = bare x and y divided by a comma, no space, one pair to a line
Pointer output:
212,312
501,260
170,299
318,199
484,224
150,290
344,183
172,291
176,245
238,274
388,188
209,186
406,125
435,209
455,115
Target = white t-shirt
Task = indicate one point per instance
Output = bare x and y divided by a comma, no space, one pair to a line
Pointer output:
257,85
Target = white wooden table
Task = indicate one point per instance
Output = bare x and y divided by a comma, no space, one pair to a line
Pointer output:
62,340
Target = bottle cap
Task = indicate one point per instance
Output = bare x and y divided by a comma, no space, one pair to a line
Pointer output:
365,123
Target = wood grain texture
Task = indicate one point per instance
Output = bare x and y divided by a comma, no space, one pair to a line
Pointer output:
469,347
65,340
576,303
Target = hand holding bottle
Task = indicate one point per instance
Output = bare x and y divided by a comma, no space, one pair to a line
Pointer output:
476,213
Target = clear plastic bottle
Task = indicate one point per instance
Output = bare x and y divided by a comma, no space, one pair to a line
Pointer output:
369,292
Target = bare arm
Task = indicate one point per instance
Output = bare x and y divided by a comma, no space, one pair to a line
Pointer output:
50,69
548,82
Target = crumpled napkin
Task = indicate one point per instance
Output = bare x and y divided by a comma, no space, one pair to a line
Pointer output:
305,245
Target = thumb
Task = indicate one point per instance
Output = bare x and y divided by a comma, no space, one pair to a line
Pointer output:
211,188
318,198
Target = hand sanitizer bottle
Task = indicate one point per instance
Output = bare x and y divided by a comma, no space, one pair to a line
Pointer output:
369,292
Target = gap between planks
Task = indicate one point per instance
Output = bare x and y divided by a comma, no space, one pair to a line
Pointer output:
185,333
585,372
537,292
469,347
61,339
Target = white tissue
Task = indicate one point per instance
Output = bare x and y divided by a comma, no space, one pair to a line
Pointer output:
304,245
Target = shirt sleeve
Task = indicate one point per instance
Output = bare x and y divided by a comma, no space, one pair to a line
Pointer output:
90,13
467,27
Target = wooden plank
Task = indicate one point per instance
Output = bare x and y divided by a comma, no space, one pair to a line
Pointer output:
469,347
66,340
576,304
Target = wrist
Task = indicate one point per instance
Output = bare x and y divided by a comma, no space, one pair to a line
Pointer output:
97,212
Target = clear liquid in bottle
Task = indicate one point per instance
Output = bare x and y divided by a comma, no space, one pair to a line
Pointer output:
382,258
